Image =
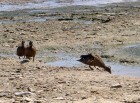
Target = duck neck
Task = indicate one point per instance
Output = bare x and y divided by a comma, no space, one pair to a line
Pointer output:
31,46
22,45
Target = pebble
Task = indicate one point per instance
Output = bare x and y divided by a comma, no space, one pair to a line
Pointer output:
31,89
22,93
116,86
6,45
59,98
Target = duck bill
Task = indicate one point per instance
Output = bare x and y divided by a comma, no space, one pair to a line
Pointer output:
79,60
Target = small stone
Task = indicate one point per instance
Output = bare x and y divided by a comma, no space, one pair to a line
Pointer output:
22,93
6,45
22,34
61,82
38,101
32,35
38,67
116,86
59,98
40,60
28,99
12,78
11,39
84,98
30,89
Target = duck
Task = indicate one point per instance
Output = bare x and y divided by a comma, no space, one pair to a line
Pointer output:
94,60
21,49
30,51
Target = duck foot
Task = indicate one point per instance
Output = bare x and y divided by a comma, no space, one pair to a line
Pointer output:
91,67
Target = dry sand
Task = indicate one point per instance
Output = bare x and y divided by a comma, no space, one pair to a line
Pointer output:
36,83
110,29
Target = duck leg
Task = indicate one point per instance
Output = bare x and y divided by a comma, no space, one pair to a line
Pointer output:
98,68
28,57
33,59
91,67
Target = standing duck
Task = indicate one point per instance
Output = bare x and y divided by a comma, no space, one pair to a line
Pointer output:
30,51
94,60
21,49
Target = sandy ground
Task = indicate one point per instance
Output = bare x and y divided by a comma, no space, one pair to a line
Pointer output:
36,83
102,30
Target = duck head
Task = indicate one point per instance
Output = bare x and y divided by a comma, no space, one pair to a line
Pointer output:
23,42
108,69
30,43
86,58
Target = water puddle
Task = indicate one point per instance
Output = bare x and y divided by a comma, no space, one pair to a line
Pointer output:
65,61
7,55
128,70
70,60
83,22
55,3
117,69
132,49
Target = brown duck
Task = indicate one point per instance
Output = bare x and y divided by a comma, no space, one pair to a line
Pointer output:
21,49
30,51
94,60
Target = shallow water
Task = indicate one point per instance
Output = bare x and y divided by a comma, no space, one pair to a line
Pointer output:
117,69
7,55
65,63
128,70
132,49
70,60
55,3
65,60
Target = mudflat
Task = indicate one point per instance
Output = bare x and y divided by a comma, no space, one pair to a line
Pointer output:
112,31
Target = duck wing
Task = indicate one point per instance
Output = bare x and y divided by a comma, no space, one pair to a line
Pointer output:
100,59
